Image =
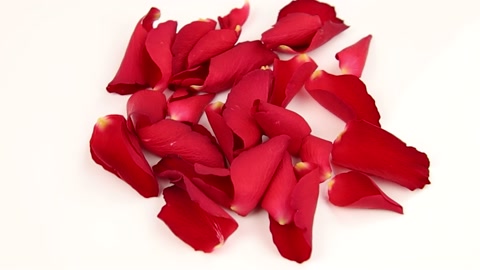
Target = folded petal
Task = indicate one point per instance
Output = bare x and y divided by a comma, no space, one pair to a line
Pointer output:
186,78
252,170
369,149
313,7
145,108
237,16
222,132
137,68
158,44
186,39
352,59
289,78
117,150
169,137
229,67
189,109
303,168
317,151
358,190
328,31
345,96
275,120
196,219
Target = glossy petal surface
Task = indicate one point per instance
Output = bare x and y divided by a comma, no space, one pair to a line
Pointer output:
352,59
146,107
190,108
312,7
237,16
317,151
222,131
212,44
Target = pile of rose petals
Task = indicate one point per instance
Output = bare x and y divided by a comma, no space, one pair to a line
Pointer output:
237,168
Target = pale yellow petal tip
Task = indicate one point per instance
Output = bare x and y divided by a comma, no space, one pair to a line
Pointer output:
344,70
317,73
204,20
216,105
302,166
102,122
304,57
234,208
219,245
284,48
339,137
265,68
196,87
238,28
282,221
330,184
327,175
175,117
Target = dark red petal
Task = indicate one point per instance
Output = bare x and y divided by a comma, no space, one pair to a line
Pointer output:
295,30
369,149
179,93
328,31
345,96
252,170
313,7
174,168
169,137
275,120
289,78
189,109
237,16
352,59
229,67
317,151
212,44
186,39
158,44
276,200
146,107
137,68
358,190
116,149
223,133
196,219
290,241
186,78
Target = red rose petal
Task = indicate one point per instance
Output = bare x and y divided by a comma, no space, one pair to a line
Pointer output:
252,170
303,168
196,219
146,107
115,148
158,44
275,120
289,78
186,39
237,16
137,69
317,151
169,137
345,96
328,31
229,67
352,59
186,78
369,149
189,109
223,133
358,190
313,7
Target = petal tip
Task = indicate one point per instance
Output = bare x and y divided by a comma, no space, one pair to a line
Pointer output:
102,122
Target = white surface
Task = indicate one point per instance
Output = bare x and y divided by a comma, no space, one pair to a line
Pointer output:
59,210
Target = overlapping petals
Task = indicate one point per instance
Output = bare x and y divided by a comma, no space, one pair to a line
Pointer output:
188,108
352,59
237,16
317,151
369,149
222,131
145,108
358,190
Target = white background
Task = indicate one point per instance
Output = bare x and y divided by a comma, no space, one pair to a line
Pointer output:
59,210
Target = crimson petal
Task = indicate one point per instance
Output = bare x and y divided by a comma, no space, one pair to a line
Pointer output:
237,16
146,107
223,133
358,190
317,151
169,137
186,78
137,68
313,7
369,149
190,108
117,150
352,59
345,96
252,170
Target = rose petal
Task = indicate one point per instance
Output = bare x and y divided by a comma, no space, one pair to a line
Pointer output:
275,120
303,168
252,170
328,31
196,219
137,69
289,78
358,190
189,109
352,59
313,7
237,16
186,78
145,108
227,68
345,96
369,149
158,44
317,151
169,137
116,149
223,133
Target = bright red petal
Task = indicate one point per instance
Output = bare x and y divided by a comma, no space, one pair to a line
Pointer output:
137,69
237,16
116,149
275,120
345,96
358,190
252,170
189,109
352,59
145,108
289,78
369,149
328,31
223,133
186,78
303,168
158,44
196,219
313,7
169,137
317,151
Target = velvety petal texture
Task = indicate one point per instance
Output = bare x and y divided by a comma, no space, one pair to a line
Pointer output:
369,149
358,190
345,96
189,108
222,131
352,59
317,151
145,108
237,16
117,150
